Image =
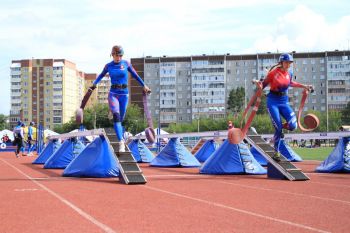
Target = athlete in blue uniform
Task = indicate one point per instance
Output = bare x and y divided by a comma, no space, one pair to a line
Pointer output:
18,133
280,79
118,97
30,138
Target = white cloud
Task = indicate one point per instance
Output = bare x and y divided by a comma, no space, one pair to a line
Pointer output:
84,31
304,30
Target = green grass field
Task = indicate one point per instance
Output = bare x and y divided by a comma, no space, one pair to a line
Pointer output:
319,153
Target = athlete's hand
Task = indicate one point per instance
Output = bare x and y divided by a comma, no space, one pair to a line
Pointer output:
257,83
147,90
93,87
309,88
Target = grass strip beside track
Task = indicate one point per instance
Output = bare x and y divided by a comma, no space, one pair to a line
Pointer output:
318,153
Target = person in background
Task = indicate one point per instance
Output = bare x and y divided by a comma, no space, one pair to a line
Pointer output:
118,97
18,133
30,139
279,78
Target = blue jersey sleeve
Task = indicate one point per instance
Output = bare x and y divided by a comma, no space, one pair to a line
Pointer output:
101,75
30,132
135,75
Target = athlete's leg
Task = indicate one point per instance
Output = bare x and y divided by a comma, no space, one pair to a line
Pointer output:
29,144
18,146
123,104
276,120
115,109
290,117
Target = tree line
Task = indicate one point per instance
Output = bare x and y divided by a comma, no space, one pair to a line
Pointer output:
98,116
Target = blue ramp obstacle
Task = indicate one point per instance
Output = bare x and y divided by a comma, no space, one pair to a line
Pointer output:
205,151
232,159
174,154
338,160
70,149
46,153
140,152
258,157
288,152
96,160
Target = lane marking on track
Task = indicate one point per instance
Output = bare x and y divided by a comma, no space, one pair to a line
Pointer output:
286,192
337,175
336,185
174,175
102,226
25,190
236,209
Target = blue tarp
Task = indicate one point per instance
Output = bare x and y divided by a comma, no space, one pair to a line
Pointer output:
260,158
251,166
288,152
338,160
232,159
140,151
206,150
174,154
49,149
96,160
225,160
70,149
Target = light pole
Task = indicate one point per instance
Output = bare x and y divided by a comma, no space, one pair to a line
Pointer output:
198,123
245,92
7,123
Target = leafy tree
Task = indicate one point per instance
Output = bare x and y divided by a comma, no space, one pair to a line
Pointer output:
97,117
262,107
345,115
334,120
134,121
236,100
262,124
3,123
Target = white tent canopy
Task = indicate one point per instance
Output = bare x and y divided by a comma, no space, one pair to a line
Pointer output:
89,138
156,131
48,132
7,132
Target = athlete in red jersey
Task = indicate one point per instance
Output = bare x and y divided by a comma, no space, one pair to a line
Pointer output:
279,79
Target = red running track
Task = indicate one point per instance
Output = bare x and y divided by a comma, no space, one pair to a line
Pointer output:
33,199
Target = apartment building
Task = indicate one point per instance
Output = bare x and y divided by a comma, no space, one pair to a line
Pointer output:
185,88
46,91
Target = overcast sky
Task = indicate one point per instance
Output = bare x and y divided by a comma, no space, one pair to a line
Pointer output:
83,31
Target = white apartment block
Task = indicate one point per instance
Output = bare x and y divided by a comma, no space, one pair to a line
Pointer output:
46,91
185,88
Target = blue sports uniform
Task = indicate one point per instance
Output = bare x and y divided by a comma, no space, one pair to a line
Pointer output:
118,95
30,139
278,101
19,138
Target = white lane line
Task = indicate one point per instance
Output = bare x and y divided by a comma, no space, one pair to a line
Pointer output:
25,190
266,189
334,175
286,192
336,185
236,209
182,175
71,205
